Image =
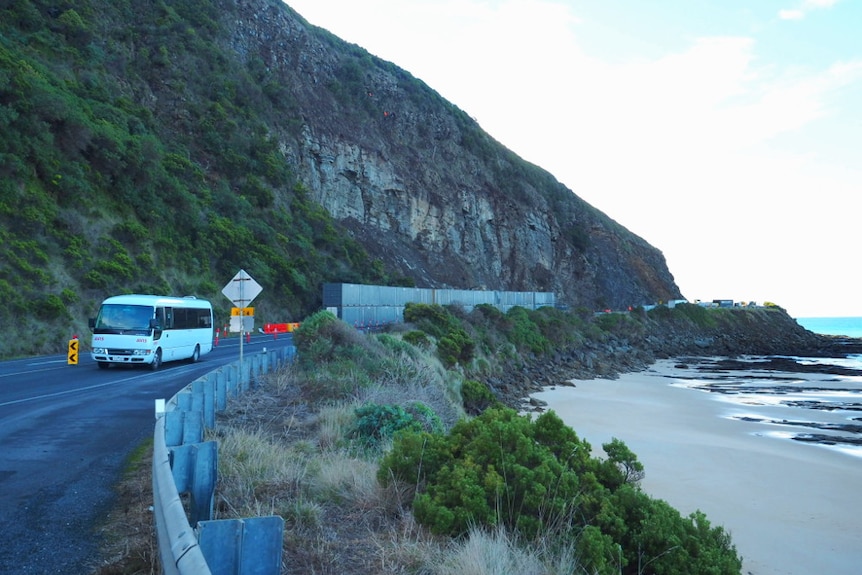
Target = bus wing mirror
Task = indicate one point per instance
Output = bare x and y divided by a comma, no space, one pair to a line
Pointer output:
92,322
154,323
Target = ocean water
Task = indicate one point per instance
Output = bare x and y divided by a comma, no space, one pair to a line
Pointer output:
848,326
809,408
816,409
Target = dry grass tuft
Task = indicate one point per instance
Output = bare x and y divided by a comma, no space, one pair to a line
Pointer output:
417,378
334,421
497,552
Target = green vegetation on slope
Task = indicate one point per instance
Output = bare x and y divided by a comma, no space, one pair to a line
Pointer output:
102,194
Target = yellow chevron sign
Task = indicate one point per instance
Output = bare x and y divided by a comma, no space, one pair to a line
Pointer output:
73,352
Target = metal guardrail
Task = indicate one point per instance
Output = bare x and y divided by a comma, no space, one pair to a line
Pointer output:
184,464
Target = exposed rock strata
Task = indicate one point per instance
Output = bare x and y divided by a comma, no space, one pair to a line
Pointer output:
422,187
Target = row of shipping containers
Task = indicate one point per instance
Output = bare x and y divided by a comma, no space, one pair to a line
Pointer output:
372,305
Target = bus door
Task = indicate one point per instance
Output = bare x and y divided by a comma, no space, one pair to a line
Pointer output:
161,324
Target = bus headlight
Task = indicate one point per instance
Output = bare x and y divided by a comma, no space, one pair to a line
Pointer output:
141,352
100,351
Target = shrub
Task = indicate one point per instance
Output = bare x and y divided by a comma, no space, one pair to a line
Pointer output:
95,279
69,296
397,346
375,423
334,359
490,312
476,396
454,344
651,532
660,312
621,466
417,338
610,322
525,333
51,307
430,318
698,315
321,336
535,477
494,468
455,347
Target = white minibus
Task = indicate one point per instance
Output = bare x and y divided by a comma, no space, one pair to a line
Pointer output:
150,329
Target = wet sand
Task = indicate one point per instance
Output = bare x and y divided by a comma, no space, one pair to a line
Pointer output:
792,508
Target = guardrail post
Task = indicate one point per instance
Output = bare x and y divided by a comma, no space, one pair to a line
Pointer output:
184,400
232,374
197,399
244,376
265,361
205,390
221,389
242,546
183,427
256,370
194,468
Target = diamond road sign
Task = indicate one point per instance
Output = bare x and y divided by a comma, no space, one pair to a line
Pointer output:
242,289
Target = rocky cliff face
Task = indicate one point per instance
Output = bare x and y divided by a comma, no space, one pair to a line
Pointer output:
421,185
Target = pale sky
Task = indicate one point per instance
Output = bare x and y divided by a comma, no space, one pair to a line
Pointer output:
726,133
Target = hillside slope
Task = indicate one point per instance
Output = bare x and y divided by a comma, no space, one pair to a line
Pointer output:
161,146
424,188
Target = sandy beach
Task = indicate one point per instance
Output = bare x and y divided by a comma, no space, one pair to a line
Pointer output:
792,508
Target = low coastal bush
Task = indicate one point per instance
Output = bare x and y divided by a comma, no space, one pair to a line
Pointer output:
537,479
698,315
378,423
525,332
497,467
476,396
455,346
417,338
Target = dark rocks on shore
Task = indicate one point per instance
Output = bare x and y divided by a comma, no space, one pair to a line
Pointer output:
826,439
774,335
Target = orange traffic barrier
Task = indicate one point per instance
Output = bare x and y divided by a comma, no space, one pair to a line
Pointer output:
276,328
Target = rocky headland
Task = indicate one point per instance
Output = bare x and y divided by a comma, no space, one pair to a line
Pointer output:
770,333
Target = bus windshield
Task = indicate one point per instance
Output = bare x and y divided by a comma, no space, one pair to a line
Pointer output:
124,318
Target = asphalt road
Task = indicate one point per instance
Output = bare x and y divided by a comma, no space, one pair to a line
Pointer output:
65,434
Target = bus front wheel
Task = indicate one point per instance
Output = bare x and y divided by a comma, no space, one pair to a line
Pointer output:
157,360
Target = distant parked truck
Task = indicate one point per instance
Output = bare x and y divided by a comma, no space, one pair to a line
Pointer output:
150,329
723,302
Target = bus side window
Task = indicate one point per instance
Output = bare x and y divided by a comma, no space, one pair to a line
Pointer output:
160,318
204,318
181,318
169,318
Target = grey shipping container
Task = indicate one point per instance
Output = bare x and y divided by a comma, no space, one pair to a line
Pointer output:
372,305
